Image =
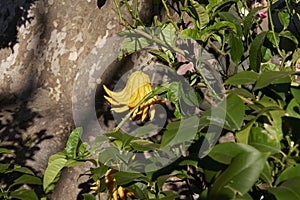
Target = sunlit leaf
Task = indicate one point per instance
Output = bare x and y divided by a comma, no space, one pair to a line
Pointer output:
52,170
72,143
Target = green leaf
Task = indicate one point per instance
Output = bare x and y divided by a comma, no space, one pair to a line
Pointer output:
293,109
289,173
255,55
4,167
88,197
6,151
243,78
123,178
242,92
240,176
272,77
180,132
27,179
248,21
143,145
225,152
227,16
262,140
72,143
232,109
287,34
200,13
52,171
284,18
162,55
266,174
24,194
237,48
216,27
189,33
296,93
242,136
235,111
132,43
287,190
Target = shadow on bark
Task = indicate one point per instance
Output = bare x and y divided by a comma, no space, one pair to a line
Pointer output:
13,14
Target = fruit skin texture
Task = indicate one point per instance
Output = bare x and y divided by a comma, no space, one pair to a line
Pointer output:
136,88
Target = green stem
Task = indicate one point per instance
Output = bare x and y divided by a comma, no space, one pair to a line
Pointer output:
273,31
134,14
121,18
169,15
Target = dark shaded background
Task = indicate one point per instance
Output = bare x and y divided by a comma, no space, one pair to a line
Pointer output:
13,14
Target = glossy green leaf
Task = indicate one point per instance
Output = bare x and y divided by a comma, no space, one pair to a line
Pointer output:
27,179
53,169
255,54
72,143
287,190
272,77
235,111
262,140
237,48
24,194
240,176
289,173
243,78
225,152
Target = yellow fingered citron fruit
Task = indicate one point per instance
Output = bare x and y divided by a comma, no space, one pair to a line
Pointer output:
136,88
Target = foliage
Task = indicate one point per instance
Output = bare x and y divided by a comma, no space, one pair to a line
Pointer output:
17,180
258,102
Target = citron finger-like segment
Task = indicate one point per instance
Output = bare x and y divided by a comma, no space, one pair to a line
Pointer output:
145,113
120,109
111,101
121,193
152,112
108,91
115,195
